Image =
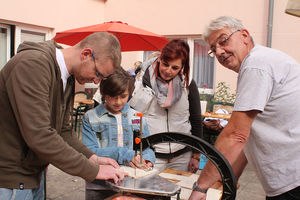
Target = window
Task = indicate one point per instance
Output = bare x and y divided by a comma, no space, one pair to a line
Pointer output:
202,65
4,44
30,34
12,35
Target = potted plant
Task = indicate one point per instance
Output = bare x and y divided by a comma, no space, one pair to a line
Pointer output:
223,94
203,99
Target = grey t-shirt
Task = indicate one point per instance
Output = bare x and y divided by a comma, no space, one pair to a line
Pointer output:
269,81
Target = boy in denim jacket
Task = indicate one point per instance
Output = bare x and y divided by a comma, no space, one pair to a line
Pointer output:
107,130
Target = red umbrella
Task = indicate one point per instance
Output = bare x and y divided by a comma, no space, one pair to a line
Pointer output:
130,37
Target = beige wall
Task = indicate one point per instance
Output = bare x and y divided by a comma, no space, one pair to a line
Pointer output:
57,14
189,17
286,31
166,17
171,17
54,15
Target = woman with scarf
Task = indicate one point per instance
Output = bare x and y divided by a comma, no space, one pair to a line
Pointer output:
170,102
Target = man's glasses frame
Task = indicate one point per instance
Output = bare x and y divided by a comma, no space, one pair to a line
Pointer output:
222,43
99,75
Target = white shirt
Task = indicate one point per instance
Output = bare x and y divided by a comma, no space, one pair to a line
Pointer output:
120,129
62,66
269,81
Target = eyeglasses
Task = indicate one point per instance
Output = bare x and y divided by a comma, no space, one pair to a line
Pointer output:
99,75
221,42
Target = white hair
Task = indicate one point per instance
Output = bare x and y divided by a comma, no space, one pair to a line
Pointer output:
222,22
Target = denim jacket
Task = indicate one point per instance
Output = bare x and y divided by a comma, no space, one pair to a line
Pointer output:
100,135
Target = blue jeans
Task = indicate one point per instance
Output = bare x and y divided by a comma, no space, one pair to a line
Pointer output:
26,194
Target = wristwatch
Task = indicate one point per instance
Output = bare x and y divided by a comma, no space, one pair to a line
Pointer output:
198,189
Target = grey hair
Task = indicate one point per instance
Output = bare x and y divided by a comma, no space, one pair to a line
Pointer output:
105,45
222,22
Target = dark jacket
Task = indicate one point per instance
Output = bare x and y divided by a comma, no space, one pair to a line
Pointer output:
35,120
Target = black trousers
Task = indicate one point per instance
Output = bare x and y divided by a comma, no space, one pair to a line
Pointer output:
293,194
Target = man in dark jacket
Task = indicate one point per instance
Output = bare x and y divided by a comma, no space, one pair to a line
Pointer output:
36,97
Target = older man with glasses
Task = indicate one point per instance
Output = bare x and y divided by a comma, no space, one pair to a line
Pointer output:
36,95
264,128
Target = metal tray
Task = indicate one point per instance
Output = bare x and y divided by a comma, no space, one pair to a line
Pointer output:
151,184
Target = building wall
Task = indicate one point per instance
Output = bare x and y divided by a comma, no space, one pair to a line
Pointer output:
56,14
286,31
167,17
189,17
53,16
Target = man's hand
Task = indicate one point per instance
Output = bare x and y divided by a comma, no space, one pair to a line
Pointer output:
108,161
107,172
104,161
108,168
197,196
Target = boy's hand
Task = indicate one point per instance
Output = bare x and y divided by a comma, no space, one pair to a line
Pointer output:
136,163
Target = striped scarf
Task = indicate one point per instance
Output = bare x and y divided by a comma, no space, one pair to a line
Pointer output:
167,93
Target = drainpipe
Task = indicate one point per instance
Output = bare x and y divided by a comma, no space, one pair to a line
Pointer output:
270,23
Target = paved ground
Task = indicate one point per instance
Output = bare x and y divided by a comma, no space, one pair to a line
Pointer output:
61,186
